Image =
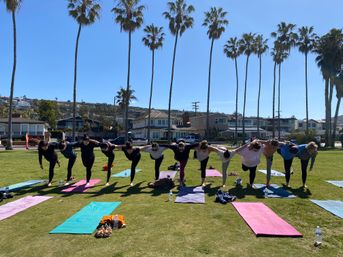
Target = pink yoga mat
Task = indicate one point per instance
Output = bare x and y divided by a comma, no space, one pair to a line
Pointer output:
213,173
12,208
165,174
263,221
81,186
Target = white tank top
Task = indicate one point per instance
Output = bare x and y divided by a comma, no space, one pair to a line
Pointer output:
202,155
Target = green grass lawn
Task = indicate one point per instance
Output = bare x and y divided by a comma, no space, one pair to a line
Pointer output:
156,227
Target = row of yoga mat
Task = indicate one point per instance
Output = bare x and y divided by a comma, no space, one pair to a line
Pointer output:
259,217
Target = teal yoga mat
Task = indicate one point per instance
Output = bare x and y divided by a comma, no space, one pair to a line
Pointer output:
124,173
87,219
335,207
21,185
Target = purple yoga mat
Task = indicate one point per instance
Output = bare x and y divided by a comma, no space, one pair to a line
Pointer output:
80,186
12,208
213,173
165,174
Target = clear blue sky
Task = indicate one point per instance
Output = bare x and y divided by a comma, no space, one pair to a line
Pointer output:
46,41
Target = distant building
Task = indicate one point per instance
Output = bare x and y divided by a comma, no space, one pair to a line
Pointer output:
81,124
318,126
159,126
21,126
216,121
22,105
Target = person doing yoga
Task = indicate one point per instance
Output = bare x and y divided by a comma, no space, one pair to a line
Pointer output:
108,150
67,150
48,151
156,154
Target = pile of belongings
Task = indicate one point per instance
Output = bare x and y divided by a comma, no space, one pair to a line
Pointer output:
175,166
109,223
163,183
5,195
224,198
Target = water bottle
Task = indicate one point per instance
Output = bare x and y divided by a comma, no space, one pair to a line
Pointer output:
170,196
265,191
115,222
238,181
7,190
318,233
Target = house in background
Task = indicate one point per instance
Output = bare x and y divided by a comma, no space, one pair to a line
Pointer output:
159,126
91,127
21,126
217,121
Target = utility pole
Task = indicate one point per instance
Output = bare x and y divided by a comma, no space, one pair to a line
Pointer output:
195,107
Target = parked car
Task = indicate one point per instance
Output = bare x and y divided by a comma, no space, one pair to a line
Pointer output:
191,139
117,141
139,141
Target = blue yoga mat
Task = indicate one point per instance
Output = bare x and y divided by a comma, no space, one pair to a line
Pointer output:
338,183
87,219
124,173
335,207
275,191
21,185
190,195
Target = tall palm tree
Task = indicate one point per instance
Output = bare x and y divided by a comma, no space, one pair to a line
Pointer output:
153,39
339,94
247,46
232,50
85,12
305,43
12,6
123,98
180,20
129,14
329,60
287,38
260,48
216,23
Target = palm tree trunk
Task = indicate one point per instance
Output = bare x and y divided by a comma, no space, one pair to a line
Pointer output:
327,135
208,92
171,85
258,97
127,101
75,80
331,143
306,89
151,87
273,121
9,145
236,125
335,119
245,96
279,101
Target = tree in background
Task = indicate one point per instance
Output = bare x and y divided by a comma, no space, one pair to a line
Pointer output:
180,20
216,23
129,14
232,50
12,6
85,12
260,48
153,39
306,43
124,98
247,46
47,111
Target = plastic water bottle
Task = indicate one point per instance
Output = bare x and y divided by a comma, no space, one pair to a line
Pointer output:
238,181
115,222
318,233
170,196
265,191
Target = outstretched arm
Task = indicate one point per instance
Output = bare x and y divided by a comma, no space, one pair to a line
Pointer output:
239,149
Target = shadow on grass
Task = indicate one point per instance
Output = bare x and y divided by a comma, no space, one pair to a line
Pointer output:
241,192
299,192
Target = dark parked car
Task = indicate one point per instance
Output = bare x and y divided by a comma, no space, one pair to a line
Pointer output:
118,141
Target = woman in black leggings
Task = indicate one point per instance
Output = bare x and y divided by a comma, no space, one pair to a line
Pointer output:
87,155
107,149
48,151
133,154
67,150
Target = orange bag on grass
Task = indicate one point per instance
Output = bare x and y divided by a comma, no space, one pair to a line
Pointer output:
110,219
